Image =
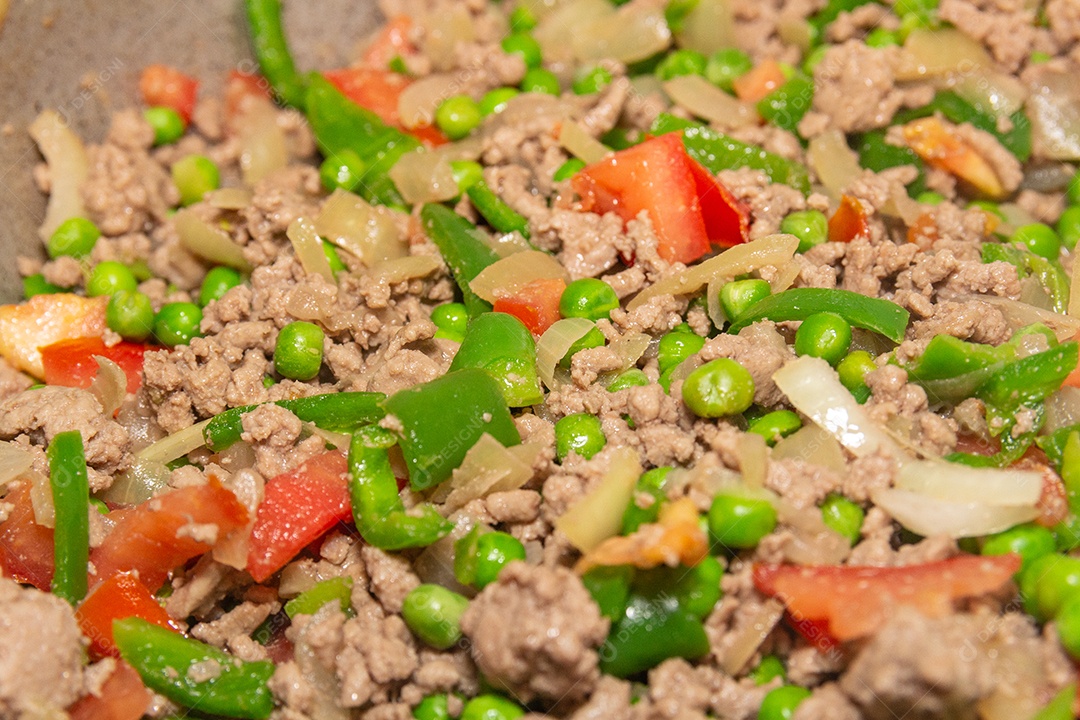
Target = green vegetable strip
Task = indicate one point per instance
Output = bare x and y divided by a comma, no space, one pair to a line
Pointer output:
462,247
958,110
948,357
717,152
881,316
337,589
377,507
442,419
504,347
71,498
339,124
652,630
785,106
499,215
272,51
163,660
337,412
1050,273
877,155
1030,380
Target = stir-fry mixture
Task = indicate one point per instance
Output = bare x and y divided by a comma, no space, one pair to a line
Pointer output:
569,358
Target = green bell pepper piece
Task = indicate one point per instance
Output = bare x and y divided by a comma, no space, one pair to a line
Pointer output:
697,588
877,155
499,215
948,357
1049,273
609,586
462,247
651,482
650,631
164,658
501,344
881,316
71,499
336,589
1054,444
785,106
272,51
1031,379
1060,706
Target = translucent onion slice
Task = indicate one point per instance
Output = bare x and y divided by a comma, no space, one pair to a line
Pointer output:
444,31
232,550
835,164
308,246
369,233
554,344
262,145
598,515
935,53
814,388
770,250
753,459
41,499
713,307
208,242
708,27
634,32
175,446
931,516
1000,94
813,445
229,198
709,102
1054,109
423,176
1074,292
630,347
405,268
109,386
1020,314
565,21
140,482
489,467
749,637
577,141
68,168
507,276
963,484
1062,409
14,461
811,541
419,101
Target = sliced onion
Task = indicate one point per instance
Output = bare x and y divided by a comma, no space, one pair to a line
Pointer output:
708,27
262,145
507,276
41,499
630,347
936,53
770,250
232,550
68,168
405,268
1074,291
634,32
506,244
753,459
1054,110
419,101
1020,315
367,232
309,250
565,21
555,343
785,277
338,440
814,388
709,102
175,446
445,30
14,461
994,92
813,445
598,515
748,638
435,564
230,198
489,467
109,385
424,176
298,577
713,307
960,483
1062,409
577,141
835,164
208,242
811,541
931,516
140,482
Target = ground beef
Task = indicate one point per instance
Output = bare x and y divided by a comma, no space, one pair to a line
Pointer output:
760,349
535,631
1006,27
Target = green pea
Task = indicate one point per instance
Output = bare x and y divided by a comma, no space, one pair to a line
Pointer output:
494,101
725,66
75,237
775,425
466,173
929,197
580,433
814,58
99,505
628,378
880,37
491,707
37,285
842,516
298,352
522,19
676,346
681,62
810,226
130,314
177,323
1072,191
433,707
740,522
332,258
167,124
494,550
1047,582
433,613
108,277
718,388
824,335
539,80
781,703
1039,57
1039,239
854,368
591,80
344,169
218,281
397,64
458,116
738,296
592,339
588,298
525,45
1067,623
452,317
1030,541
568,169
770,667
1068,227
194,176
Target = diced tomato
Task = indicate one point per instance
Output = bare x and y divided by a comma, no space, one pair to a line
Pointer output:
536,304
297,508
849,221
43,320
940,146
165,85
378,91
391,41
855,601
243,85
26,548
71,362
123,697
759,81
657,176
156,537
815,632
121,596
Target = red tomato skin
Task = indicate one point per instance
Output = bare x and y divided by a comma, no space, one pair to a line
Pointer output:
145,539
391,41
71,362
123,697
536,304
655,176
165,85
26,548
849,221
121,596
298,507
727,220
759,81
378,91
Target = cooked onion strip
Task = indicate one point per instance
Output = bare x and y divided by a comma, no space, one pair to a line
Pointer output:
109,386
14,461
1020,314
41,499
708,27
423,176
68,168
813,445
405,268
555,343
937,53
709,102
367,232
229,198
140,482
175,446
748,638
835,164
262,145
577,141
489,467
305,241
634,32
208,242
963,484
508,275
932,516
598,516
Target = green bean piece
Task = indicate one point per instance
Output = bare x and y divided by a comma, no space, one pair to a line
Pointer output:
881,316
466,173
433,614
272,51
463,248
332,590
494,209
718,388
71,500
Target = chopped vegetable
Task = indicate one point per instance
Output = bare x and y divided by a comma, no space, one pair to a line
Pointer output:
880,316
